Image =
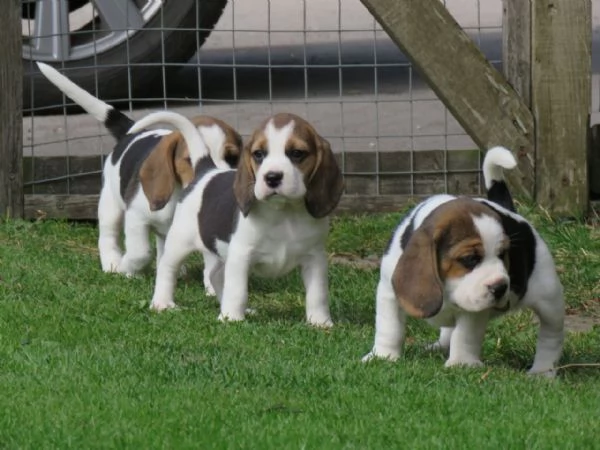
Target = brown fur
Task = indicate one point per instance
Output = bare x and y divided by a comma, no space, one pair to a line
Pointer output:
168,164
322,176
233,141
432,255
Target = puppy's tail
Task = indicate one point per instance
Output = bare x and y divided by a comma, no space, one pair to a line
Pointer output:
496,159
115,121
188,130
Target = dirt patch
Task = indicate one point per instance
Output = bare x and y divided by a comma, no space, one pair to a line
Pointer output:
370,262
580,324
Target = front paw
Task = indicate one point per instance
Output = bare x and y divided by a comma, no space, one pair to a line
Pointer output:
547,372
378,354
228,317
209,291
323,322
467,362
436,347
161,305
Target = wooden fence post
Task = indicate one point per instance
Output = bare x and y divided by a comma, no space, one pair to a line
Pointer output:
561,38
11,114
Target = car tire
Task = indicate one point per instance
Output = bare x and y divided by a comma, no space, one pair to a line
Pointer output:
127,71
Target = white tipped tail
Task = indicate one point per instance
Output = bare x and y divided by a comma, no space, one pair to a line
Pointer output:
496,159
188,130
83,98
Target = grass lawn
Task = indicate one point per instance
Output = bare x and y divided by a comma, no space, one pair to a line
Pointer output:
85,364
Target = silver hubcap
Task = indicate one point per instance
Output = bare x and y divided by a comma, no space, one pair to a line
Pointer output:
53,33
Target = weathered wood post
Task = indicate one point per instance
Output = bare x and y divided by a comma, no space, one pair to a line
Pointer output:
561,55
547,59
542,114
11,130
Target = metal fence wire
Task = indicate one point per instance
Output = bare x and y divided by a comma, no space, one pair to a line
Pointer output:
326,60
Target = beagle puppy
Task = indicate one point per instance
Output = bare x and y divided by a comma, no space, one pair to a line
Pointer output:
267,217
459,262
143,176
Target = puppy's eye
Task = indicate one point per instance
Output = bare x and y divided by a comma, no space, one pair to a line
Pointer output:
470,261
259,155
503,254
296,155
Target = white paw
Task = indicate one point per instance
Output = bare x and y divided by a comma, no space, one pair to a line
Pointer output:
209,291
111,265
230,317
159,306
373,354
547,373
320,321
463,362
436,347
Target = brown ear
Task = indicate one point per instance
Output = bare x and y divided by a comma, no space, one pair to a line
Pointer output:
326,183
416,280
243,186
157,174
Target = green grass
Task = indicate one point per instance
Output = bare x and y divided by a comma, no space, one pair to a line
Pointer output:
85,364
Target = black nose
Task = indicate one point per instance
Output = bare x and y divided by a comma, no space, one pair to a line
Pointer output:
273,179
498,289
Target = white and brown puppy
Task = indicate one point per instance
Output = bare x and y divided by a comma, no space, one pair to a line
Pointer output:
459,262
143,176
266,218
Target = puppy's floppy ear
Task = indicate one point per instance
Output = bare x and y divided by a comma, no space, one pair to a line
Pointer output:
416,280
159,174
326,184
243,186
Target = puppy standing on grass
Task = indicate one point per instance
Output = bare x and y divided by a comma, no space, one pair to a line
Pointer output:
267,218
459,262
144,175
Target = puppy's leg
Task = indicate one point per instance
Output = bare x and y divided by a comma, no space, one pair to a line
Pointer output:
137,244
177,248
443,343
210,262
390,325
235,286
551,313
467,338
160,249
160,246
314,275
110,217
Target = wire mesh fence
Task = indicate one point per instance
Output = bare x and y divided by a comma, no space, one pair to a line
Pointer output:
326,60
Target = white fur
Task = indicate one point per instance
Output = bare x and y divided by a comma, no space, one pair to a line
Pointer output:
277,236
138,219
496,159
467,305
87,101
471,292
292,185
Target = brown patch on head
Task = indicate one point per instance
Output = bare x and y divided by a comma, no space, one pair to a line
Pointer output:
447,245
312,155
233,144
167,165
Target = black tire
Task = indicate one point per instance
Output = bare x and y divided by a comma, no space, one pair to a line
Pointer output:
109,80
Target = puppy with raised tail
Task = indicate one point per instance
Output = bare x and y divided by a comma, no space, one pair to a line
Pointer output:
459,262
267,217
144,175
